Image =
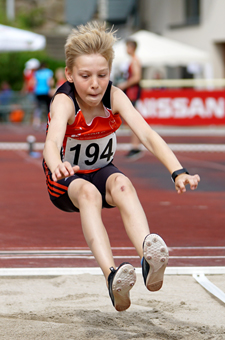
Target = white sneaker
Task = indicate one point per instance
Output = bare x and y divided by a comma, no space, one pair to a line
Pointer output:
154,261
120,282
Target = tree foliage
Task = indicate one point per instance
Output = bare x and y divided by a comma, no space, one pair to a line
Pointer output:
12,65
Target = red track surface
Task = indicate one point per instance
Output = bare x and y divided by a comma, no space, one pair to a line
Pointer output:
191,224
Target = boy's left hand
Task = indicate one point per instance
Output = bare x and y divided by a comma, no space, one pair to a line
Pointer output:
183,179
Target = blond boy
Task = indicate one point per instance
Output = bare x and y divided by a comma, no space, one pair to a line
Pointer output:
80,144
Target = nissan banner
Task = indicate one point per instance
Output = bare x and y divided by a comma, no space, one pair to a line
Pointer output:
182,107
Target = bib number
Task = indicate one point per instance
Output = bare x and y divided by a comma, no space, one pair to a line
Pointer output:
90,154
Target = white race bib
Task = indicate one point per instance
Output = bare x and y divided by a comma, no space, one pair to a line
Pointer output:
90,154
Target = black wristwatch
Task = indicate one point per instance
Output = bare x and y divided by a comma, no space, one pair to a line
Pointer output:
177,173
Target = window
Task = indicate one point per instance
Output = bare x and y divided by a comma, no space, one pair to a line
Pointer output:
192,12
184,13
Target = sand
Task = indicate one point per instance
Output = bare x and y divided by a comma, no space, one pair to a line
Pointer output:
78,307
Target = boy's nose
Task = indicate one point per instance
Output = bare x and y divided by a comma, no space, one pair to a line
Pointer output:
94,82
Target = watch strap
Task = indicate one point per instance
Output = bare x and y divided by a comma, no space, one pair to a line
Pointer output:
178,172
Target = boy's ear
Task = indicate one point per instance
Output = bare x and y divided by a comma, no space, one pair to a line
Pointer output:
68,75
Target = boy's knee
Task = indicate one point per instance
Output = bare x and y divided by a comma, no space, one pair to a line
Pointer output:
89,193
122,184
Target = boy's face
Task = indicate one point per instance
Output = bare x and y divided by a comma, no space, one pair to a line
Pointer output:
90,75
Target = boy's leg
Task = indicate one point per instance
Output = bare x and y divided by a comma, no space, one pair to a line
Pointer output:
121,193
86,197
151,248
88,200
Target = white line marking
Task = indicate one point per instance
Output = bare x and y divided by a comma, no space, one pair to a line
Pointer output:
126,146
97,271
191,270
193,248
213,289
183,147
198,257
198,147
45,252
87,254
90,257
87,250
17,257
20,146
179,131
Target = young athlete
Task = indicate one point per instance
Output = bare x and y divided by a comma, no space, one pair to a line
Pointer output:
80,145
131,86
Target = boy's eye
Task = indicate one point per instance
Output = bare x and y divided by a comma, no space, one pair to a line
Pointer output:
84,76
102,75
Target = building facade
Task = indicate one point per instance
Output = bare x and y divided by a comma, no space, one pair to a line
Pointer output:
199,23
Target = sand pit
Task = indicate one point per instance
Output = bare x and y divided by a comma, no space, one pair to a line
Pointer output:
78,307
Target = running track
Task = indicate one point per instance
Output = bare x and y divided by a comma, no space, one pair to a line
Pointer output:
34,234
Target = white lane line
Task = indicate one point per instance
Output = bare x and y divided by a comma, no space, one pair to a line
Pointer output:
45,252
18,257
197,248
90,257
87,250
182,147
126,146
86,253
97,271
180,131
198,257
20,146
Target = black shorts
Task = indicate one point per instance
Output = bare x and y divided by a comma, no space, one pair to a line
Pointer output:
97,178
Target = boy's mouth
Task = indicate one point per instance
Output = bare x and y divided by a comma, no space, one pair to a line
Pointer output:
94,95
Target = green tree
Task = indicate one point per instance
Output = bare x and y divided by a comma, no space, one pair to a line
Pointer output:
12,65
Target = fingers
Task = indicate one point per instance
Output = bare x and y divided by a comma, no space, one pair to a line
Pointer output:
64,170
183,180
194,182
76,168
180,187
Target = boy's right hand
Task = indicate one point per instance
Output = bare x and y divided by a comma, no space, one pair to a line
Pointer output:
64,170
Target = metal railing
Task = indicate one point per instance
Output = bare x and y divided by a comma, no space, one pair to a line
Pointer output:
180,83
16,101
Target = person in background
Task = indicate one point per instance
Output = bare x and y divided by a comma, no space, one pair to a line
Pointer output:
29,83
28,75
132,89
60,79
42,89
6,95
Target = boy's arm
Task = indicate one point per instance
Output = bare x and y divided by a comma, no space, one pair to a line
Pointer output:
62,111
151,140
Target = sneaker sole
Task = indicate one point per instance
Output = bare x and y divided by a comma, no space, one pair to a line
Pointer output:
123,281
136,156
157,255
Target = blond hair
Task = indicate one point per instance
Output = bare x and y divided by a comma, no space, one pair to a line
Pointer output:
92,38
